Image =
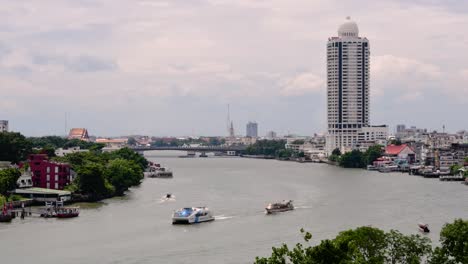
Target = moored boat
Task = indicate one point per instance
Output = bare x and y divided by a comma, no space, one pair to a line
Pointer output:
5,218
277,207
67,212
192,215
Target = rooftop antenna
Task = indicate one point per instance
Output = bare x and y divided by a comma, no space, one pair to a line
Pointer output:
443,128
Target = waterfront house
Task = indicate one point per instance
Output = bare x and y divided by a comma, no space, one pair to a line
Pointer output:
400,152
49,174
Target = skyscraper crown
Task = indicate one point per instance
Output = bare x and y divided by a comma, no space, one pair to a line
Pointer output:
348,29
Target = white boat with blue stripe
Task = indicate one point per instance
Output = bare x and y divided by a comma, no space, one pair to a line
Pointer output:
192,215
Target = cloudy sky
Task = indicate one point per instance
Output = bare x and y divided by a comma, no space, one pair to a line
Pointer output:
170,67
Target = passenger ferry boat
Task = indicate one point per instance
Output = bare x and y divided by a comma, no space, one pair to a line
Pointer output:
192,215
156,171
283,206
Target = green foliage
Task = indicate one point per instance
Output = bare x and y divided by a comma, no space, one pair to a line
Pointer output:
61,142
454,240
336,152
8,178
266,147
284,153
454,169
362,245
14,147
353,159
91,179
373,153
334,158
105,173
406,249
466,159
396,142
298,142
128,154
123,174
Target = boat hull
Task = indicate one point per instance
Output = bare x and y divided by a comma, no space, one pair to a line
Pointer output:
192,220
5,218
67,215
280,210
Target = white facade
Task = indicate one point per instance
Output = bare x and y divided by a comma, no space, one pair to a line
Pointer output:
347,87
3,125
60,152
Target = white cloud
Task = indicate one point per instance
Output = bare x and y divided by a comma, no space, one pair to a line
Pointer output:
302,84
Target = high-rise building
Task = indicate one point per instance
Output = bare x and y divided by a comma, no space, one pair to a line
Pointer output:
3,125
400,128
347,87
271,135
252,129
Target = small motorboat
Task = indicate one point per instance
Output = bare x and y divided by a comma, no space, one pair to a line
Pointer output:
277,207
168,196
192,215
67,212
424,228
160,172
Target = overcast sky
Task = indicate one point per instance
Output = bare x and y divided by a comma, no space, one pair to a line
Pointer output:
171,67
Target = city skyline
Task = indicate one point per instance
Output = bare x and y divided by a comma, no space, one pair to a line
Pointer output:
146,67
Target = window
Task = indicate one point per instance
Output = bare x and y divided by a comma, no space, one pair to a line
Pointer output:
48,169
56,185
56,169
56,177
48,177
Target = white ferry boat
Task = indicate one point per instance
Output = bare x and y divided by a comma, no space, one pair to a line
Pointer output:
192,215
283,206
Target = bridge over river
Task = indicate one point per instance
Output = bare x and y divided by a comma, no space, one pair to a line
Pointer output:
230,150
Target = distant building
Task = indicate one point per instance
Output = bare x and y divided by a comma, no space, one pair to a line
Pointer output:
49,174
252,129
3,125
60,152
79,133
401,152
400,128
271,135
113,142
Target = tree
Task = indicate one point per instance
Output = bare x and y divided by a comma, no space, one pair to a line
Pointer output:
14,147
123,174
91,179
454,169
8,178
334,158
128,154
373,153
353,159
336,152
454,240
396,142
406,249
131,141
363,244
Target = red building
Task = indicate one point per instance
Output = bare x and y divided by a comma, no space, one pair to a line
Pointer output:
48,174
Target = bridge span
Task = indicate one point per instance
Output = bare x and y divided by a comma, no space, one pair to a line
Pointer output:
203,149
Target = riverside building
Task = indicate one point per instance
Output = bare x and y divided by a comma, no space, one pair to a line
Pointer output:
348,90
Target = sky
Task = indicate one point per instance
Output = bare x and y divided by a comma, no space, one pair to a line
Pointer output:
171,67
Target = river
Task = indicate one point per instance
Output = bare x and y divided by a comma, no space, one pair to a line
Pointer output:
137,228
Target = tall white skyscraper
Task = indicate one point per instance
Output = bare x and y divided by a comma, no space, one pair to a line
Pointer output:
347,87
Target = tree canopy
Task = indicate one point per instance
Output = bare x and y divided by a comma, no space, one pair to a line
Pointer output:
14,147
8,178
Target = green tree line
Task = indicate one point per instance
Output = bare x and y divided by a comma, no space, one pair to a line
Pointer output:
374,246
357,158
105,174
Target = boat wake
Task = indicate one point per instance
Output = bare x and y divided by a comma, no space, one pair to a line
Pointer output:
222,217
302,207
165,199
